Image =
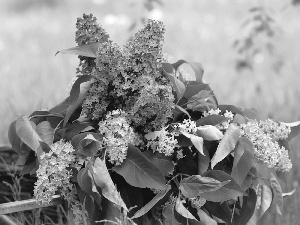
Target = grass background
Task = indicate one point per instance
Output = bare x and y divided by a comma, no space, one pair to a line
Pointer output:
33,78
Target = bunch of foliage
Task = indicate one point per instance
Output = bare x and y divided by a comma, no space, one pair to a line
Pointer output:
140,142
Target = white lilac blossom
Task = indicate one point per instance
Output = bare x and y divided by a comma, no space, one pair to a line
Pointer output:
53,174
163,142
264,136
117,135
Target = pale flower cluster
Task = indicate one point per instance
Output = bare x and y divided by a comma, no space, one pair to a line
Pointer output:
163,141
117,135
228,114
53,174
264,135
187,125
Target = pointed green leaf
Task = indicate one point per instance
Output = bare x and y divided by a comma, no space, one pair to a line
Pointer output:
179,207
295,129
46,132
164,163
28,134
139,171
177,85
209,133
103,180
203,161
197,68
88,50
229,191
193,186
266,199
278,191
77,95
243,160
168,214
204,218
16,141
150,204
227,144
211,120
248,208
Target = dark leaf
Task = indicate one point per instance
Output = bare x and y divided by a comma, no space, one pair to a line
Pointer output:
103,180
168,214
229,191
46,132
89,146
15,140
187,165
197,68
177,85
278,192
77,95
75,128
139,171
86,183
164,163
203,161
211,120
87,50
243,160
248,208
231,108
28,134
201,101
150,204
31,164
195,185
219,210
183,216
227,144
204,218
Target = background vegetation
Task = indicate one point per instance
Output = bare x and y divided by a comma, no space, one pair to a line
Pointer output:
263,77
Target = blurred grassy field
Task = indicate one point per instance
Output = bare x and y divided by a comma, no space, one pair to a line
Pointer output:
32,78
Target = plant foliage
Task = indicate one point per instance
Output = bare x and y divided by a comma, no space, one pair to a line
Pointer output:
140,142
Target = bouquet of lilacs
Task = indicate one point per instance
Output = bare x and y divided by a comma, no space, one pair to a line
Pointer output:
141,141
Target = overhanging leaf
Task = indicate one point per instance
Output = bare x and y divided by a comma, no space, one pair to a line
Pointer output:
193,186
177,85
164,163
179,207
230,190
243,160
211,120
197,68
150,204
16,141
204,218
139,171
103,180
88,50
266,199
227,144
295,129
278,191
209,133
203,161
77,95
28,134
248,208
46,132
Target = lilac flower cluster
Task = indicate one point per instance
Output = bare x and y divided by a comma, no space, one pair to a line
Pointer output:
53,175
128,78
264,135
88,31
117,135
